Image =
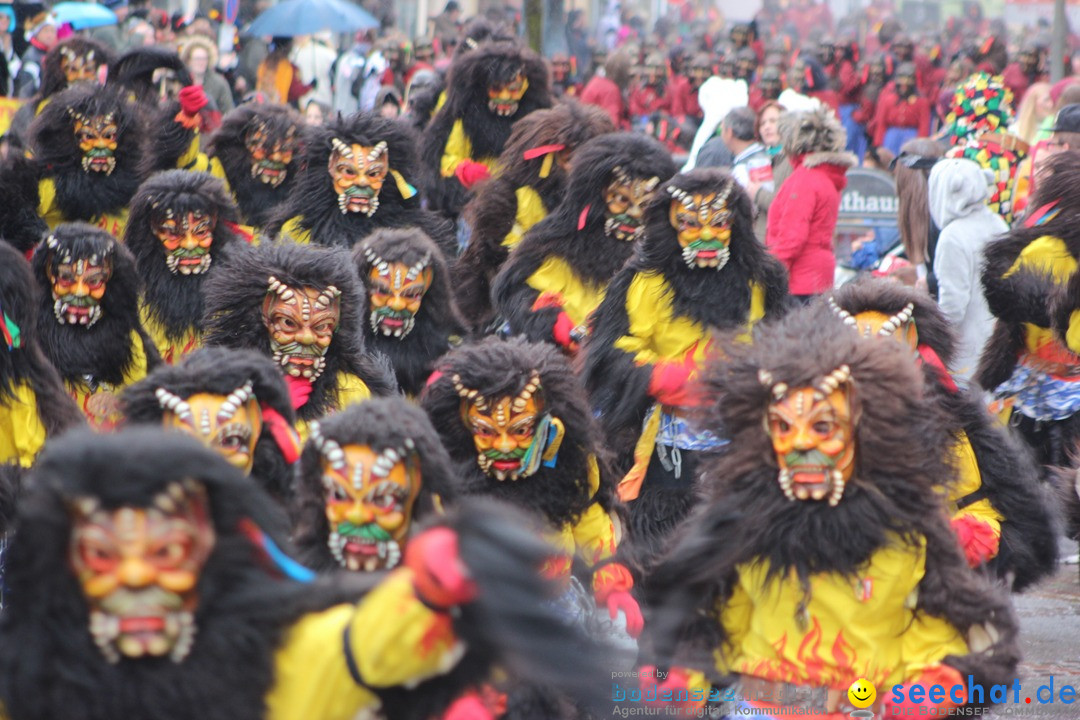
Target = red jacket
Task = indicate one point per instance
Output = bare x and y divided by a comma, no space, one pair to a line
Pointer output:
686,97
644,101
605,94
892,111
802,219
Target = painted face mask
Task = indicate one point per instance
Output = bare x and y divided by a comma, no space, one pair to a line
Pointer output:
358,174
396,292
369,502
78,287
187,238
78,68
139,568
703,224
301,323
813,436
503,100
270,156
899,327
97,142
512,434
228,424
626,198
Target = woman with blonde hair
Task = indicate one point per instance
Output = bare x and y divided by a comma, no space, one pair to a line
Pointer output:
1036,106
200,57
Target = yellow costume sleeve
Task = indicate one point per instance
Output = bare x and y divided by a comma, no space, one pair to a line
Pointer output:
22,434
969,480
596,533
927,641
655,334
218,171
530,210
293,231
556,277
172,350
458,148
193,158
351,389
1048,255
47,208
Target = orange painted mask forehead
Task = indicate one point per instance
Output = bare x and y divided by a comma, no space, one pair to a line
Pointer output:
97,137
626,197
358,173
396,291
228,424
301,323
702,222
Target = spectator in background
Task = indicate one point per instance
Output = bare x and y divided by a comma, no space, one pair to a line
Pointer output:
1034,108
447,24
277,78
902,114
762,192
200,56
750,159
577,40
314,57
315,113
957,193
42,37
9,61
114,37
919,236
605,90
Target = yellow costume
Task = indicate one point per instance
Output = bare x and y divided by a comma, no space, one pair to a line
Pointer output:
459,148
350,390
557,280
172,349
292,230
530,210
593,538
51,213
22,434
101,405
1048,255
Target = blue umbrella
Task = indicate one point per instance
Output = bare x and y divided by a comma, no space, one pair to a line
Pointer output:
304,17
81,15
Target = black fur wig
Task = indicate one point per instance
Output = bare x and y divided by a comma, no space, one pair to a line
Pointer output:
234,313
245,604
491,213
889,500
26,363
82,195
220,371
574,231
102,352
438,324
496,369
1010,476
718,300
257,200
1027,296
471,75
314,200
20,224
380,423
175,301
53,79
133,72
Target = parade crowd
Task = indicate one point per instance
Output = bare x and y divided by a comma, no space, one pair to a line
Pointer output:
435,378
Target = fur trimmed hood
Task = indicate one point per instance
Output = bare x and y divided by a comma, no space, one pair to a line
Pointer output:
812,131
830,157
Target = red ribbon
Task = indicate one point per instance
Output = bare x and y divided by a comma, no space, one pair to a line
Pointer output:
284,434
583,217
541,151
931,358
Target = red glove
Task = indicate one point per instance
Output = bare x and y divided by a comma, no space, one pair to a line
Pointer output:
561,332
299,390
468,707
977,539
611,587
192,100
470,172
670,381
441,580
942,675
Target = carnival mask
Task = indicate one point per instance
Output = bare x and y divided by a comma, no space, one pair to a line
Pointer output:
503,100
813,436
187,238
369,502
78,287
97,138
228,424
358,174
511,434
870,323
270,157
139,568
396,291
703,224
78,68
301,323
626,198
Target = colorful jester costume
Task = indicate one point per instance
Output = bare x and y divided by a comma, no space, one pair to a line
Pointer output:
411,316
88,318
999,510
300,306
844,567
698,272
529,183
33,402
367,476
560,271
977,125
181,228
488,90
235,403
356,177
225,625
1031,363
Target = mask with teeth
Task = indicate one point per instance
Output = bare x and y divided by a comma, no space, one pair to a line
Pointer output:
78,285
703,224
396,292
78,68
139,568
871,323
229,424
626,198
270,156
503,100
301,323
358,174
97,138
813,436
186,237
369,501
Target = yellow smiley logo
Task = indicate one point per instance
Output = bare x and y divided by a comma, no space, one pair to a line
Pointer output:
861,693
